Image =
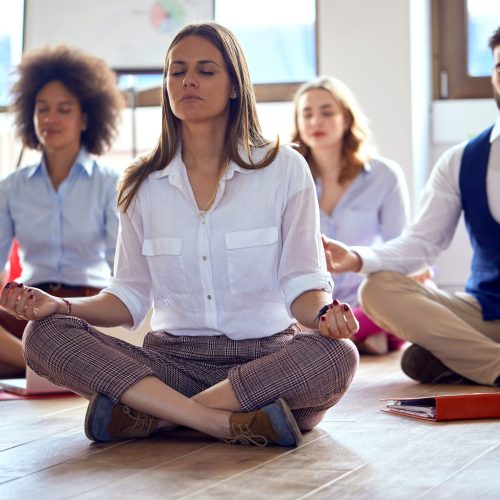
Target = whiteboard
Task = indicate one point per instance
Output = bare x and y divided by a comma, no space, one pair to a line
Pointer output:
131,35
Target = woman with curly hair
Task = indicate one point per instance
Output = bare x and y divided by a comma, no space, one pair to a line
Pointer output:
363,198
62,210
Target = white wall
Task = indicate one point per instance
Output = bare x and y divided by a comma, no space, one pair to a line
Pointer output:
367,45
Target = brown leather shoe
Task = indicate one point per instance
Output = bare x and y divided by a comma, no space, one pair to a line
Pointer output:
421,365
273,424
106,421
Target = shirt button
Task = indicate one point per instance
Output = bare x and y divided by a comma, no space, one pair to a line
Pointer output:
209,297
203,258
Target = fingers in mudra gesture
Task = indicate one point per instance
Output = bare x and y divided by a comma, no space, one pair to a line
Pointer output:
338,322
27,303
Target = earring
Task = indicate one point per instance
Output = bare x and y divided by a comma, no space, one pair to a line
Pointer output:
234,95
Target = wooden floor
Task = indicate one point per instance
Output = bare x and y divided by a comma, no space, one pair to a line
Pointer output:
357,452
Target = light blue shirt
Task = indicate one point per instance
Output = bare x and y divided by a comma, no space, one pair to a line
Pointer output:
68,235
374,208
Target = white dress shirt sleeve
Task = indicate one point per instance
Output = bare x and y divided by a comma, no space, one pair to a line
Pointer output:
111,221
431,233
132,282
302,264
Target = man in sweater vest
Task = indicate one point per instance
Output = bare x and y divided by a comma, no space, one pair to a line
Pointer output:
455,336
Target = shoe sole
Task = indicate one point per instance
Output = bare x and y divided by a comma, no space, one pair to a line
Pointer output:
290,420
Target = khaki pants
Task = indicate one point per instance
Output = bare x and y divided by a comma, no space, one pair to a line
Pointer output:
449,325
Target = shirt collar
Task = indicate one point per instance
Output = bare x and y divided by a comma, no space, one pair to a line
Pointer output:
367,168
173,169
83,161
495,133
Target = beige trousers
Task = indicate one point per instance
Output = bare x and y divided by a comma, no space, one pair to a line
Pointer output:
449,325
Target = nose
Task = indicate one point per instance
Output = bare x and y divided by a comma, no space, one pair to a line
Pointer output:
315,119
189,81
49,116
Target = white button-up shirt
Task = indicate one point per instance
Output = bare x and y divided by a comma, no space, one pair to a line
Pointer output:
440,210
233,270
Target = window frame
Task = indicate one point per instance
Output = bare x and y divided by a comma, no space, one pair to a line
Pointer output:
449,46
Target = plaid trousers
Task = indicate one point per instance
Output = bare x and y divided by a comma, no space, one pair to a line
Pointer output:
309,371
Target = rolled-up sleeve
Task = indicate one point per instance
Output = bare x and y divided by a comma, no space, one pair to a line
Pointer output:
302,264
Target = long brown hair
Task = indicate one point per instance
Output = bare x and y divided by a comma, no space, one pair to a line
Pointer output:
242,126
357,147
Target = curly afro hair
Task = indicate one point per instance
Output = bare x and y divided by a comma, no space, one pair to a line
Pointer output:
87,77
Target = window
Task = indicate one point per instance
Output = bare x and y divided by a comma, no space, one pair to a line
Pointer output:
11,45
462,59
483,18
279,41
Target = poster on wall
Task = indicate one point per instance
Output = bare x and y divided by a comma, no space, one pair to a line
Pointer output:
131,35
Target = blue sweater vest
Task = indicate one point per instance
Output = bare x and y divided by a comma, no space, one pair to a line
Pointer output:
483,229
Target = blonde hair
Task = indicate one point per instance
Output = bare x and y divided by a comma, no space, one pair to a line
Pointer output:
357,146
242,126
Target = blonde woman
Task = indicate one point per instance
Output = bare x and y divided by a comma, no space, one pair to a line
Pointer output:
363,198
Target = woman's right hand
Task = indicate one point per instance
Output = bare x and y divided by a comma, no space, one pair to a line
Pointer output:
28,303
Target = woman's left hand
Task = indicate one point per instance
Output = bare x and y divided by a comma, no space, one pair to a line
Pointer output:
338,322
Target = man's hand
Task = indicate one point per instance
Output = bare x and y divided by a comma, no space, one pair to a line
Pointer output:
339,257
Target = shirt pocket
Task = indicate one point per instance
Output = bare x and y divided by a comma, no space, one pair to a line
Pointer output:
252,259
166,263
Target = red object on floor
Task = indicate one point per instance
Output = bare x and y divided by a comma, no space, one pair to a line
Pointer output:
15,265
10,396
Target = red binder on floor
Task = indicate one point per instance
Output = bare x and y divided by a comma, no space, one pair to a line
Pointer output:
477,405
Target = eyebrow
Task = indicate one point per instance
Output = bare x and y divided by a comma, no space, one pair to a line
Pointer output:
58,102
202,61
323,106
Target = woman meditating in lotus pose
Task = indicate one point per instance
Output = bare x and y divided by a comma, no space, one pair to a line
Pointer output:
220,234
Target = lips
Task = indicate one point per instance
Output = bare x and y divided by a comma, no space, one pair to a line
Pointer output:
190,98
318,134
